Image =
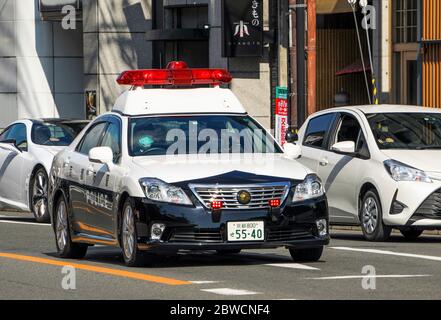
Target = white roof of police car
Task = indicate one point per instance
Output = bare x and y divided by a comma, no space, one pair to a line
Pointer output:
178,101
385,108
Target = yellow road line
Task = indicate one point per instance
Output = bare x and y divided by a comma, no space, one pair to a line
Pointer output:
108,271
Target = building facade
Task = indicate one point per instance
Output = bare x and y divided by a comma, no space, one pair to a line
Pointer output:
51,71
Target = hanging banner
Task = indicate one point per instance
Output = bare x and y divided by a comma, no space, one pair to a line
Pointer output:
281,114
242,28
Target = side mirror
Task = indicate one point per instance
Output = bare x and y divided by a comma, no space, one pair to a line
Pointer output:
10,144
102,155
345,147
291,136
292,151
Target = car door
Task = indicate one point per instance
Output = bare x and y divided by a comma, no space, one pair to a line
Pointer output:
101,182
12,161
79,190
315,139
341,173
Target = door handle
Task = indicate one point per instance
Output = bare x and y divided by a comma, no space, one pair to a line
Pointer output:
324,162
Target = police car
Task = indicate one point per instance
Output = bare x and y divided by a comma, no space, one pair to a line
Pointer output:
178,164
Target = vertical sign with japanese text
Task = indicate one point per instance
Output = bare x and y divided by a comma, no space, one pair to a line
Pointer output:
242,28
281,114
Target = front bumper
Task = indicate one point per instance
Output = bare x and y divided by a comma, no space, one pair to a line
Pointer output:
414,204
197,228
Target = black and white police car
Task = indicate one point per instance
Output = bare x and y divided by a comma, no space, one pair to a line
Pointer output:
179,165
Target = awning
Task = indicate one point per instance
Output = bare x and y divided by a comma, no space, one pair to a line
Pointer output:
355,67
52,9
333,6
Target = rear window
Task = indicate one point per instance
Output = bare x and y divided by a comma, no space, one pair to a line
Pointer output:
50,134
317,131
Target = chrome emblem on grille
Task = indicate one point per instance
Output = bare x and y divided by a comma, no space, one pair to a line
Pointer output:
243,197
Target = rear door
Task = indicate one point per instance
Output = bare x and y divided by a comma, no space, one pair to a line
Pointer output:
341,173
316,139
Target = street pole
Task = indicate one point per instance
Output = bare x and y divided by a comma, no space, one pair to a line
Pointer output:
312,56
295,117
301,63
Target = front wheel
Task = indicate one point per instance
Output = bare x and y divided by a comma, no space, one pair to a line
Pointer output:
371,214
129,237
411,234
38,192
306,255
65,247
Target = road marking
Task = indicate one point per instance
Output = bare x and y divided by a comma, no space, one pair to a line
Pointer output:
392,276
204,282
231,292
25,223
390,253
292,266
108,271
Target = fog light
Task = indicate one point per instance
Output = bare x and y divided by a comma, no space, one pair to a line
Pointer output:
322,227
157,231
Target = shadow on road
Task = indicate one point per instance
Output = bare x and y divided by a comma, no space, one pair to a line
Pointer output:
113,257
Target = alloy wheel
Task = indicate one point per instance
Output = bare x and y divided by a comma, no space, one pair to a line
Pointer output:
370,215
128,233
61,226
39,196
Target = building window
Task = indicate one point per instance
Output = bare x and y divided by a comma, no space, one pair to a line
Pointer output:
406,21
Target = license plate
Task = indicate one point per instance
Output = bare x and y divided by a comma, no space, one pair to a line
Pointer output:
246,231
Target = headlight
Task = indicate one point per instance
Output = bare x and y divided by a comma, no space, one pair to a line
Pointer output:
401,172
160,191
309,189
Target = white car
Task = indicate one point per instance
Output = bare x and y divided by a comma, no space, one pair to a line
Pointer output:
152,175
27,149
380,165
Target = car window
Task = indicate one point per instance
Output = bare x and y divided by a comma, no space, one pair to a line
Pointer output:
52,134
112,139
92,138
4,134
349,129
317,131
18,133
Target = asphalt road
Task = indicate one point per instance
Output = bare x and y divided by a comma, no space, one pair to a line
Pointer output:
397,270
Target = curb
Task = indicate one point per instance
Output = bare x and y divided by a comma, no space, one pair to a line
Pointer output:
394,231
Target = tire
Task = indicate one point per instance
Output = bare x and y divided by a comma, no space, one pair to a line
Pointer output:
371,217
133,257
306,255
227,252
38,196
411,234
65,247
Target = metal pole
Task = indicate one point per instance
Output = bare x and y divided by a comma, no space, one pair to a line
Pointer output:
312,56
371,60
301,65
361,53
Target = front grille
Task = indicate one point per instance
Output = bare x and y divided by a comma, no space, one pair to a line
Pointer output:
260,195
431,208
195,236
290,234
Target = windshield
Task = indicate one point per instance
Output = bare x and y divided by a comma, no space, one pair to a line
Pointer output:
60,134
206,134
409,131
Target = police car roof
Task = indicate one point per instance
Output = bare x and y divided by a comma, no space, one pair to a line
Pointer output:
140,101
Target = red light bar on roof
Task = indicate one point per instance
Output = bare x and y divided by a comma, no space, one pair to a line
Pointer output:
176,74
